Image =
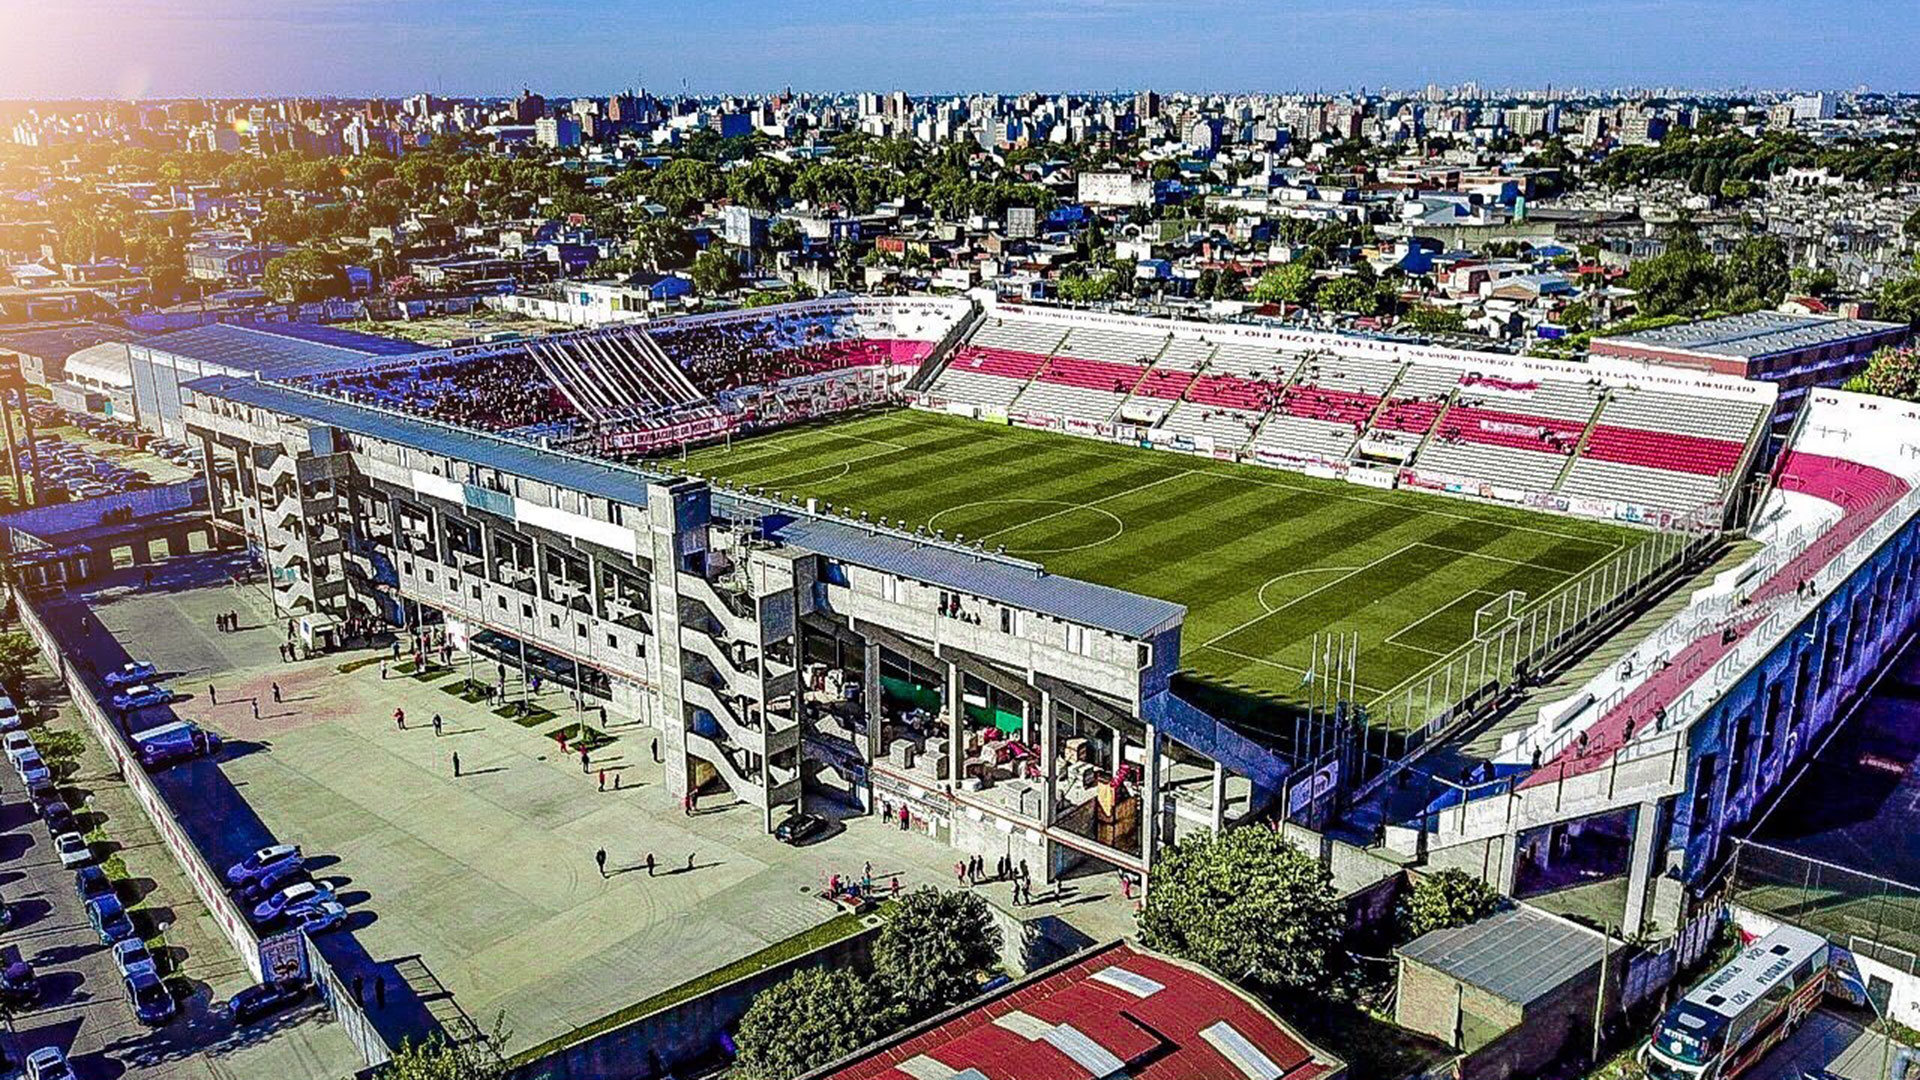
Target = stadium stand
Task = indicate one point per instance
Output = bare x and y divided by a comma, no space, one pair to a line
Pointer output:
1492,426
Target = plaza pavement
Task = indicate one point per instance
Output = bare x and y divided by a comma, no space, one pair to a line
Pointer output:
485,885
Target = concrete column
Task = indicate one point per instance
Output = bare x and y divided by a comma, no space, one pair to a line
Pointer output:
1150,818
1640,862
1049,758
870,700
956,705
1219,798
1507,871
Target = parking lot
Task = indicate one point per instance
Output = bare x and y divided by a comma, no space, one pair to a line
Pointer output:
481,892
82,1006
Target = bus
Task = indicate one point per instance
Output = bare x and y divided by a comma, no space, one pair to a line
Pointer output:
1730,1021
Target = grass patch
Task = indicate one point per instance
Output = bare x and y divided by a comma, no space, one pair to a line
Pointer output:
467,690
835,929
352,666
581,737
533,717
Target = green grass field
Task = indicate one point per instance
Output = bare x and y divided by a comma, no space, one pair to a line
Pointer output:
1262,559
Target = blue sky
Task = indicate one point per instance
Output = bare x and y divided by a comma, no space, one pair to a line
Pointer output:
161,48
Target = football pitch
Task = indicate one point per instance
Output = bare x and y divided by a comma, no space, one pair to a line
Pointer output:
1262,559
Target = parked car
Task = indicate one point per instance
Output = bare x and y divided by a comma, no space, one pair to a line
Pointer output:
798,826
90,882
323,916
264,999
58,817
10,718
18,744
275,879
151,1002
48,1063
18,986
263,861
141,696
73,850
131,673
33,770
109,919
292,900
6,915
131,955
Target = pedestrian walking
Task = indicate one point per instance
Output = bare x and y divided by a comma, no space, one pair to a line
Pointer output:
396,648
603,779
649,864
886,809
255,702
436,725
616,781
689,862
904,819
584,770
961,872
456,763
212,698
1025,874
400,719
896,885
600,857
289,629
276,693
383,669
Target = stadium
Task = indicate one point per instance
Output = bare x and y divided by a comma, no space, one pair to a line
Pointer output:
1068,585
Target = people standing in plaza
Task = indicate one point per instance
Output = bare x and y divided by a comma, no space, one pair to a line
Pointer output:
212,698
689,862
600,859
603,779
656,749
456,763
400,719
649,864
584,770
255,702
276,693
436,725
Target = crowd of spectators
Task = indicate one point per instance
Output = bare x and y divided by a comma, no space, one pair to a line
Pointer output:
490,393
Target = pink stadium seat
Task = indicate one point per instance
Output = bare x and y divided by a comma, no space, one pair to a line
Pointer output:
1006,363
1164,383
1092,374
1333,406
1663,450
1408,415
1233,392
1516,431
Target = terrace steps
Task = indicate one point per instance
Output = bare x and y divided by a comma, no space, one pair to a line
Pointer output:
1586,436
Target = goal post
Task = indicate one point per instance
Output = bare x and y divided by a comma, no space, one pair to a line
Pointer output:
1501,609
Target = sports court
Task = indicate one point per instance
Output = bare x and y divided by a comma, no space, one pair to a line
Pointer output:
1263,559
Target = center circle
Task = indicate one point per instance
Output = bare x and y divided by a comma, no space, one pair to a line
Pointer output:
1066,522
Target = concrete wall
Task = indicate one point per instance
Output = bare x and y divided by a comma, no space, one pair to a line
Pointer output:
686,1033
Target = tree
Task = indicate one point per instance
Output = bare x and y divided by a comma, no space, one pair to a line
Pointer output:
18,655
1891,373
661,244
810,1018
933,945
1445,900
1247,904
1755,272
1899,299
1576,316
714,272
1350,293
1080,288
1289,284
439,1059
1427,319
302,274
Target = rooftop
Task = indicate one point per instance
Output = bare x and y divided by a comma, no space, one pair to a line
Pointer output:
276,350
1115,1011
63,340
1521,954
1755,334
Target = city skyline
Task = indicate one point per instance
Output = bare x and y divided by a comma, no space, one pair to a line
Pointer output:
224,48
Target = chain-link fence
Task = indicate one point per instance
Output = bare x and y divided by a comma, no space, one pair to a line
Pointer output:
1869,914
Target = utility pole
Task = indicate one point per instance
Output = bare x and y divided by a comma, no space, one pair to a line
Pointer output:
1600,995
